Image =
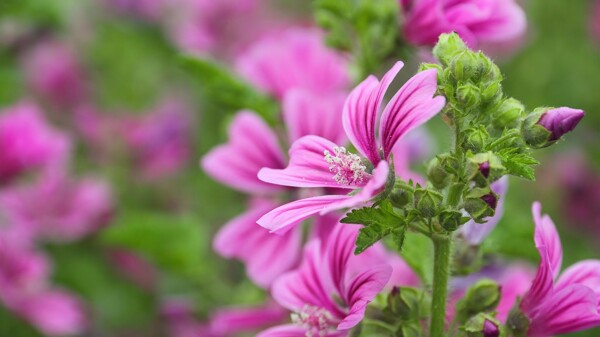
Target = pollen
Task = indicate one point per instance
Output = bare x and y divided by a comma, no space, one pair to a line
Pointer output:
347,167
318,322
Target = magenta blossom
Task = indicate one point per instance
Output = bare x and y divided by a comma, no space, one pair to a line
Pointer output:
148,9
567,304
294,58
316,162
326,297
595,21
57,208
24,290
29,142
53,72
476,21
560,121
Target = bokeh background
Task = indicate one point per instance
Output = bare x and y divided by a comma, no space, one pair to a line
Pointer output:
142,118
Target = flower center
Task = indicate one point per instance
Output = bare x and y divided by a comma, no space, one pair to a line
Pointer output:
347,167
317,321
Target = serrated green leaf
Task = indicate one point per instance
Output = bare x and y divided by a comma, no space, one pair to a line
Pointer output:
520,165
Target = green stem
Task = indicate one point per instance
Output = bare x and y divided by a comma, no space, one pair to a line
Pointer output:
441,273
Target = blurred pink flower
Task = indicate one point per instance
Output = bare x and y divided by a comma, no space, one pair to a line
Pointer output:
148,9
181,322
328,298
317,162
567,304
595,21
235,320
58,208
134,267
53,72
29,142
24,289
160,142
476,21
294,58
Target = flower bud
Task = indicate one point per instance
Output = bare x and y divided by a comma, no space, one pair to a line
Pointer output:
491,92
484,168
465,66
437,175
481,203
517,323
451,220
402,194
405,303
482,325
482,296
447,47
468,95
508,114
428,202
476,139
544,126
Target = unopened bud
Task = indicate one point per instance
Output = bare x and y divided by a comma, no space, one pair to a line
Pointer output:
466,66
483,296
476,139
491,93
481,203
468,95
484,168
482,325
544,127
437,174
508,114
451,220
517,323
402,194
447,47
405,303
428,202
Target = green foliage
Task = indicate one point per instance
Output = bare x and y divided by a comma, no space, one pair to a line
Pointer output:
226,90
367,28
417,251
379,221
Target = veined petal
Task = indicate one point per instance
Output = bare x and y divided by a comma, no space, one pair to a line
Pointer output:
339,250
361,291
547,236
586,273
375,185
266,256
283,218
361,110
307,113
569,310
288,330
413,105
252,145
309,285
228,321
307,167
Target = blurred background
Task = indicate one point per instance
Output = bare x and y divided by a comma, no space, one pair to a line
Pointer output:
120,120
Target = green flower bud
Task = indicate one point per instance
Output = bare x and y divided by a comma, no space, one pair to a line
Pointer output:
451,220
405,303
465,66
437,174
481,297
491,71
412,329
402,194
428,202
447,47
481,203
545,126
508,114
491,93
517,323
482,325
468,95
476,139
484,168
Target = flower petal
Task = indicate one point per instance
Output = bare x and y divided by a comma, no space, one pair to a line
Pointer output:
362,291
54,312
252,145
586,273
547,236
283,218
373,187
307,113
307,167
230,321
266,256
413,105
569,310
361,109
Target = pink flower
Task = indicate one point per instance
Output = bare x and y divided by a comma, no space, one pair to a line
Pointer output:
57,208
180,320
595,21
24,289
149,9
567,304
134,267
53,72
325,296
159,142
236,320
476,21
28,142
316,162
294,58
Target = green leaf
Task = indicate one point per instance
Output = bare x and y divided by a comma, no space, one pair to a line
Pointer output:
226,90
520,165
379,222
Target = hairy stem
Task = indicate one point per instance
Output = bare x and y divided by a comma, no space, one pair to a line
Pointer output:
441,273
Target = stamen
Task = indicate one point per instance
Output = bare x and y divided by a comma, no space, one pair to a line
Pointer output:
317,321
347,167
